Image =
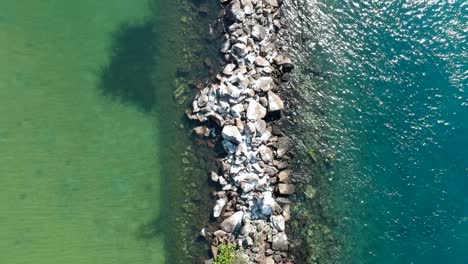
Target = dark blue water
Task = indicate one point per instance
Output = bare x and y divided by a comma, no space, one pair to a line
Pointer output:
392,77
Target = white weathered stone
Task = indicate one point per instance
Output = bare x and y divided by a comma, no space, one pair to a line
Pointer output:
263,84
280,242
274,102
232,134
262,62
278,222
228,69
255,110
233,222
265,153
220,203
258,32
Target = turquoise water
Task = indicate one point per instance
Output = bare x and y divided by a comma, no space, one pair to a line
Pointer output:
389,79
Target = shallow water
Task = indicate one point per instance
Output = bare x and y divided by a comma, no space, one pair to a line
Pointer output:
79,170
385,82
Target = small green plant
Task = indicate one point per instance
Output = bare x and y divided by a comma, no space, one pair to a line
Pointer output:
226,254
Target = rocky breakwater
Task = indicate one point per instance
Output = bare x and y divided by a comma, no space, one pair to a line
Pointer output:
240,110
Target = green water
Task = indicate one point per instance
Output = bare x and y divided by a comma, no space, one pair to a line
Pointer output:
79,170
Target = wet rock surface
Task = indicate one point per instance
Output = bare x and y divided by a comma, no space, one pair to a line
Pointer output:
238,110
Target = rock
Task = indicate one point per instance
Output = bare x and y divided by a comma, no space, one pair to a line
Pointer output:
265,153
285,188
274,102
259,33
286,212
268,204
278,222
232,134
239,49
214,176
218,119
283,176
203,232
233,222
214,251
229,68
262,62
255,110
228,146
202,131
310,192
236,110
283,146
209,261
263,84
269,260
235,12
280,242
220,203
261,126
224,1
272,3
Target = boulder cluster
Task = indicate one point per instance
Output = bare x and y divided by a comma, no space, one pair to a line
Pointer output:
240,108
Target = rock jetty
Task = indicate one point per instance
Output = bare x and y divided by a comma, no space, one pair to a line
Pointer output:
239,110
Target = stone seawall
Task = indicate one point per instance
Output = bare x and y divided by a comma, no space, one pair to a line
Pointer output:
240,111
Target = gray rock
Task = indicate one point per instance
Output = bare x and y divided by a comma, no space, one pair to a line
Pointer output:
255,110
232,134
235,12
283,146
263,84
233,222
274,102
278,222
272,3
280,242
258,32
285,188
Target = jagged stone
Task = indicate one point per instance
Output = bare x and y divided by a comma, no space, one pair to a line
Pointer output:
233,222
258,32
280,242
285,188
255,110
278,222
274,102
232,134
263,84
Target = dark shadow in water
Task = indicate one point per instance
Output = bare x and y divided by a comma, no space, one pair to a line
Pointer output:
129,75
150,230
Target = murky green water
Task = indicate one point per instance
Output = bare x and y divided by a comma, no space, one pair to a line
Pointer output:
79,170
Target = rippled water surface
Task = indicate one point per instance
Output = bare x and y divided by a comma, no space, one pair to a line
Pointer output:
389,78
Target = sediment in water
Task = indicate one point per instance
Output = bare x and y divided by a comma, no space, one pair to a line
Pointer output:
240,111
